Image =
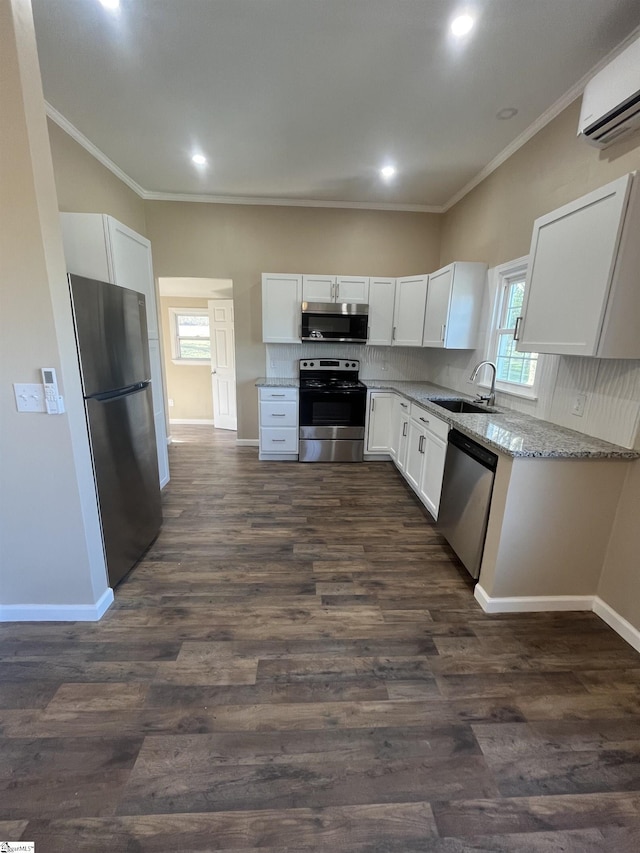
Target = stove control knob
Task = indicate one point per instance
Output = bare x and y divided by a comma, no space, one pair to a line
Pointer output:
304,363
312,364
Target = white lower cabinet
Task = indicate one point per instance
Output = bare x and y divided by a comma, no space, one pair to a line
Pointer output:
400,407
379,419
435,451
278,423
422,448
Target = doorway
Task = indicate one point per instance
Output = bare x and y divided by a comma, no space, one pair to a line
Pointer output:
199,350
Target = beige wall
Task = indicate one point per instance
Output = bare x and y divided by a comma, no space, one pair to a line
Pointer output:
493,222
188,385
620,581
241,242
84,185
51,547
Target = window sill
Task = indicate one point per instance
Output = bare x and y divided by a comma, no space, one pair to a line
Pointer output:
523,393
192,362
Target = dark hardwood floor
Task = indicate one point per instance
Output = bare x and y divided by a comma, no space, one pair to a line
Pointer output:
298,664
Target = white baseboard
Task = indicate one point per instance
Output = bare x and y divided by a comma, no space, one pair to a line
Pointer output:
57,612
192,421
247,442
619,624
531,603
537,603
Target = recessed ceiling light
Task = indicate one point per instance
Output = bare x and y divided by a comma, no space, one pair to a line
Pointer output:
387,172
199,159
111,4
461,25
507,113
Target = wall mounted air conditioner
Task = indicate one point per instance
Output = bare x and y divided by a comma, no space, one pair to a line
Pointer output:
611,100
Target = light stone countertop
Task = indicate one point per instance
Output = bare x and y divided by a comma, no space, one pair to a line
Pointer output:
505,430
278,382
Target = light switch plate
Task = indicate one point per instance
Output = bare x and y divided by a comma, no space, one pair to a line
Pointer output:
579,402
29,397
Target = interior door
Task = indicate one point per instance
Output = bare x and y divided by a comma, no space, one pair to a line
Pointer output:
223,363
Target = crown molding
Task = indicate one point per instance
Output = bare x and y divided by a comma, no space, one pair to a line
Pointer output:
547,116
81,139
291,202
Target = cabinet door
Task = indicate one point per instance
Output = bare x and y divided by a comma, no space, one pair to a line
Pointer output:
351,288
401,459
572,259
415,454
382,294
408,316
436,314
86,249
318,288
380,412
132,267
432,472
281,306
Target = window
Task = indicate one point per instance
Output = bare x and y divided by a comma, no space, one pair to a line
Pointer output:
516,371
190,335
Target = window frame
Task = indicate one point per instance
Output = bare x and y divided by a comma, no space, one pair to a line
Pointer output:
174,313
503,275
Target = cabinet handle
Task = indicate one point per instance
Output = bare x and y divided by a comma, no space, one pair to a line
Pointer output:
277,395
404,428
404,405
373,404
516,336
368,332
424,420
420,444
393,334
277,416
300,330
442,328
276,440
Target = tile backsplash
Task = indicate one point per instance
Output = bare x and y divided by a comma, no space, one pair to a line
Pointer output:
611,386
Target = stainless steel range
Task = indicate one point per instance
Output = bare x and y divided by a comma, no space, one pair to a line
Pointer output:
332,410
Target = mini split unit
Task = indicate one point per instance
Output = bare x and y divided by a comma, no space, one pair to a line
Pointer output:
611,100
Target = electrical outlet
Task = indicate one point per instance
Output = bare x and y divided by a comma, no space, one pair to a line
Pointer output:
170,402
29,397
579,402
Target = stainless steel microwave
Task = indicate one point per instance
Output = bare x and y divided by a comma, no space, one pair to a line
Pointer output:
335,322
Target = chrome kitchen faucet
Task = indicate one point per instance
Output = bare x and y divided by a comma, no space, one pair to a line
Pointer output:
490,398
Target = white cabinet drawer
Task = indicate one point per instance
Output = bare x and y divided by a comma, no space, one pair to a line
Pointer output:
279,440
274,393
430,421
275,414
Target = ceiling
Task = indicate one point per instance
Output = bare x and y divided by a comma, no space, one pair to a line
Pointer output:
304,100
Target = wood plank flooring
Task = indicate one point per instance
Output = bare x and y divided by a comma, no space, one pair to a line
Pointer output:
298,664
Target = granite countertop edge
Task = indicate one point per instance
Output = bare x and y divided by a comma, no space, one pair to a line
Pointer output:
504,430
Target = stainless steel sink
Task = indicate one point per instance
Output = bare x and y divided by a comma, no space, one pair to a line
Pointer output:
463,407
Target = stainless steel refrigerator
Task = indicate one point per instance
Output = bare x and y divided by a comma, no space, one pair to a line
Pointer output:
113,350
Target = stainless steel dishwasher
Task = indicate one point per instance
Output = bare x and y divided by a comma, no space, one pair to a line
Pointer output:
469,471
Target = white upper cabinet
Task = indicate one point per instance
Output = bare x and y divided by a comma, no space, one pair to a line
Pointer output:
582,295
318,288
454,303
98,246
332,288
281,307
408,315
382,294
352,288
